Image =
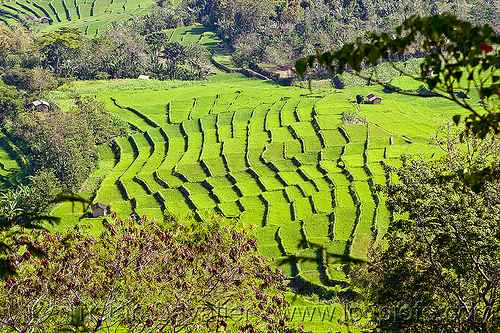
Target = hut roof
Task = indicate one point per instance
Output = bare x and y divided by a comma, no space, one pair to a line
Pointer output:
40,102
372,97
98,205
143,77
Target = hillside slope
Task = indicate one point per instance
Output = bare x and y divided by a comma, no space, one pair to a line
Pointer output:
278,158
88,15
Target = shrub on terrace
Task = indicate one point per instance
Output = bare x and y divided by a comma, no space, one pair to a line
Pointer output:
351,117
66,141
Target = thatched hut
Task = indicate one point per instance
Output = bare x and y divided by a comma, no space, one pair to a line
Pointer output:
98,209
374,99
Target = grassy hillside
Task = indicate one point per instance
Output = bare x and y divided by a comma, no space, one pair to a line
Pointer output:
193,34
276,157
92,16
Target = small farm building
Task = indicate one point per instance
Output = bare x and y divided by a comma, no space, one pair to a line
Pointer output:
98,209
143,77
374,99
41,105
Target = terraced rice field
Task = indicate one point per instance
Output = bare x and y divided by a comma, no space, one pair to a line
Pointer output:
277,158
11,162
196,33
92,16
88,15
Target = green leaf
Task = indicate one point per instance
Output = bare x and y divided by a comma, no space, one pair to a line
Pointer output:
310,60
456,119
457,75
301,66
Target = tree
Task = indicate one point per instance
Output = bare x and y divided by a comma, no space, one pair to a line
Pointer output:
144,276
161,17
95,56
440,268
16,217
11,203
458,57
59,141
130,57
15,40
59,45
233,17
11,101
40,79
174,52
104,126
157,40
197,58
44,187
65,142
173,58
17,77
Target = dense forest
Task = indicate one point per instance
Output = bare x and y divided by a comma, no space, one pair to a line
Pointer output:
273,32
429,264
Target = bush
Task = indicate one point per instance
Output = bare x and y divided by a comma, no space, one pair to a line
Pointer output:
351,117
144,276
104,126
13,60
44,187
102,76
17,77
11,101
360,99
40,79
66,141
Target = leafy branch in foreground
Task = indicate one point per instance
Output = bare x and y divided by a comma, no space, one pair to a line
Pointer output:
475,159
14,233
459,57
439,270
143,276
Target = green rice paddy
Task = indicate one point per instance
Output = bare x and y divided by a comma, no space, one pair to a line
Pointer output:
278,158
11,162
92,16
196,33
